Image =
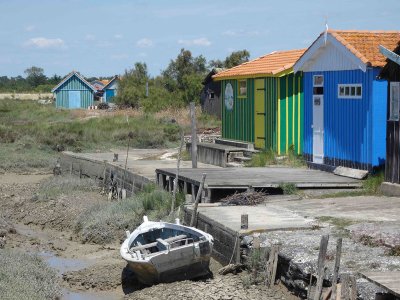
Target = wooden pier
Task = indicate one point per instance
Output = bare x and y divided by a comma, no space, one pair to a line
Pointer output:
222,181
389,281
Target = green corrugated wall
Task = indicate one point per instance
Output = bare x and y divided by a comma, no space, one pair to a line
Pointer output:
284,131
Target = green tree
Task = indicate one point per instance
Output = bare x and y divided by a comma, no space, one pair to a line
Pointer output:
184,75
234,59
132,86
35,76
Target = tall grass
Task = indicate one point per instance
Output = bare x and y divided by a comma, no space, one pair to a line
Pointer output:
24,276
107,222
270,157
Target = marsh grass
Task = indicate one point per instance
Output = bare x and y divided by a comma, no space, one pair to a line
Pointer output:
25,276
31,133
57,185
107,222
270,157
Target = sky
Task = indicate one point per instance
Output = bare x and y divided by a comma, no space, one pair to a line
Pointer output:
104,38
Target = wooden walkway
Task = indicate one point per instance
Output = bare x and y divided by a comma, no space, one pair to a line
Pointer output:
389,281
258,178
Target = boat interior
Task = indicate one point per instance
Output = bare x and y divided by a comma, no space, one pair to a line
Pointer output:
157,240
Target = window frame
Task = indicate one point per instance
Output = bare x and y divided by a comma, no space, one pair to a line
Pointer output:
348,87
319,84
239,95
391,116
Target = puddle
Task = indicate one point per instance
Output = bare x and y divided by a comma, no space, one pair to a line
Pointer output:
70,295
63,265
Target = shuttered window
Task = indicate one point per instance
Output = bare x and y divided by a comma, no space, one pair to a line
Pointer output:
394,100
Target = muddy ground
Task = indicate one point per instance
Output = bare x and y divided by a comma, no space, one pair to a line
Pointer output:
90,271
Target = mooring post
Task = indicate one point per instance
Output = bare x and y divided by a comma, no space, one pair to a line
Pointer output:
194,134
244,221
336,268
321,265
272,265
196,203
345,286
193,193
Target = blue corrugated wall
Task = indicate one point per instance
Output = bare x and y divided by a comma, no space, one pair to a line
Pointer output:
74,84
110,93
354,129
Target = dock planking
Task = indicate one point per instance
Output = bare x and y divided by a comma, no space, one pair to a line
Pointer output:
239,179
389,281
262,177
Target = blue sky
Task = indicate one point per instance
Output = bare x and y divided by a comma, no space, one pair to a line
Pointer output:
103,38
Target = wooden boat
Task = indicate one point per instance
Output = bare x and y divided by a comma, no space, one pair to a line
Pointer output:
165,252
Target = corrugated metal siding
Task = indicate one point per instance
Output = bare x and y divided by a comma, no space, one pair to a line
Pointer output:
348,123
238,124
73,84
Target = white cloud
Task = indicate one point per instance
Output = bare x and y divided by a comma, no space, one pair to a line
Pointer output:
90,37
41,42
30,28
118,36
144,43
195,42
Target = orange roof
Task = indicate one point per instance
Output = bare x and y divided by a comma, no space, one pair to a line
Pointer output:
105,81
270,64
365,44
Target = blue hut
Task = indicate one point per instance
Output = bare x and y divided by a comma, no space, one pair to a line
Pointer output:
344,101
74,92
110,89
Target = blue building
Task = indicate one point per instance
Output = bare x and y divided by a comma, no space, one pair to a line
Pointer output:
110,90
344,101
74,92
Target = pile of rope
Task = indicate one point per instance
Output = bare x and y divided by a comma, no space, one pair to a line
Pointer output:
245,198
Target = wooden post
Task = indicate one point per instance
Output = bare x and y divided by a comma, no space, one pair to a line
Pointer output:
353,289
193,193
71,169
170,184
336,268
272,265
194,135
196,203
237,249
244,221
321,264
80,171
345,287
176,181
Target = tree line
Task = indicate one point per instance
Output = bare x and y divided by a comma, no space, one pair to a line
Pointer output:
177,85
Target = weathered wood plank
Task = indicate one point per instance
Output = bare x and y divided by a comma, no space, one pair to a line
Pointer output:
389,281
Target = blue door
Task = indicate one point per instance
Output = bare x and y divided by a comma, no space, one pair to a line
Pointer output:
109,95
74,99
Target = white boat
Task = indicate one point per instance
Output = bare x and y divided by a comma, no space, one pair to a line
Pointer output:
165,252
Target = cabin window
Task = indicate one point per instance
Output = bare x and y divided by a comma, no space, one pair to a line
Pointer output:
211,95
394,100
350,91
242,88
318,80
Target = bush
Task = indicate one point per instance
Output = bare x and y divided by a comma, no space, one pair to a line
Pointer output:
106,222
103,105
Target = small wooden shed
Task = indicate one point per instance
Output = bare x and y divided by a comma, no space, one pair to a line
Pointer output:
262,102
344,110
111,89
391,72
74,92
210,96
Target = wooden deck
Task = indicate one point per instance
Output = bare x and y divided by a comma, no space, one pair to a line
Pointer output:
258,178
389,281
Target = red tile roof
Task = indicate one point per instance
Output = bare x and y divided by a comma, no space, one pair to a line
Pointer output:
365,44
270,64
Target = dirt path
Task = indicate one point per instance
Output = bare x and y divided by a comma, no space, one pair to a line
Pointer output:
91,271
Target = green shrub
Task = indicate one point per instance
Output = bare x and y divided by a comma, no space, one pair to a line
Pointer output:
373,182
288,188
261,159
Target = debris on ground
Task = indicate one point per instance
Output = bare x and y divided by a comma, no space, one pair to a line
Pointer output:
245,198
231,268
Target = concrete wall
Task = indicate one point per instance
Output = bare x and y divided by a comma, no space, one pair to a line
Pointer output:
224,238
102,171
